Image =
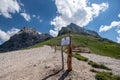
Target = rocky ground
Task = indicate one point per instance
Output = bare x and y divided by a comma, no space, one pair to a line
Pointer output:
112,63
42,64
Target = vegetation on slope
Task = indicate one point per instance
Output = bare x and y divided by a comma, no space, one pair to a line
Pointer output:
93,64
96,45
96,65
106,76
79,57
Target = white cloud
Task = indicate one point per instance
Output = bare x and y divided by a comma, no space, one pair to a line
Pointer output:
76,11
26,16
118,31
39,33
119,15
37,17
9,6
4,36
97,8
112,25
13,31
53,33
33,15
118,38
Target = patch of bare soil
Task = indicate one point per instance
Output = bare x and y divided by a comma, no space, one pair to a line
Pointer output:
41,64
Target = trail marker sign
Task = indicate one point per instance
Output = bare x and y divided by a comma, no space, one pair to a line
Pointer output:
65,41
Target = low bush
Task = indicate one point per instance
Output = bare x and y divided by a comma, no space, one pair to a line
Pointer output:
106,76
93,70
79,57
95,65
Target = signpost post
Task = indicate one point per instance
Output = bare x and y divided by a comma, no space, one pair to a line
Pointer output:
66,41
69,57
62,57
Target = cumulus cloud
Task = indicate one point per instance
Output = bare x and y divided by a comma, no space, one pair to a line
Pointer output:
119,15
26,16
39,33
112,25
53,33
118,38
77,12
4,36
9,6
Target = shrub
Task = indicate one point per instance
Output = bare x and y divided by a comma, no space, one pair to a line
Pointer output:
104,67
79,57
106,76
93,70
95,65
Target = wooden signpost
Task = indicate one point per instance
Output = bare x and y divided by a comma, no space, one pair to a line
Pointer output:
69,56
66,41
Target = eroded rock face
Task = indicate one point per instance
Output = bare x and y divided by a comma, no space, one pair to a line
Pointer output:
24,38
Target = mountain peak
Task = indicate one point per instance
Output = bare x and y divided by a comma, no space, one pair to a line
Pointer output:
28,30
24,38
73,28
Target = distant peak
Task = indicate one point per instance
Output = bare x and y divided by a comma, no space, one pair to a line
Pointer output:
73,28
72,24
28,30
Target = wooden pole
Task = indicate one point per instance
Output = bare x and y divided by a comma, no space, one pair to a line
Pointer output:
62,57
69,57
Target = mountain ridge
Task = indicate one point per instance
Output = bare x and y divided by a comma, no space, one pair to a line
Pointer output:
73,28
24,38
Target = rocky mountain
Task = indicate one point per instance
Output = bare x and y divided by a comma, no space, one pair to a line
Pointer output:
24,38
73,28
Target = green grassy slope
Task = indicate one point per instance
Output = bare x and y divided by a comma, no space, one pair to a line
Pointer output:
96,45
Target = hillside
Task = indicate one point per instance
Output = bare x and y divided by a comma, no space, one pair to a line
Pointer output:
86,38
96,45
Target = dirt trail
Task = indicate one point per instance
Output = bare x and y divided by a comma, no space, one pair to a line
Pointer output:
40,64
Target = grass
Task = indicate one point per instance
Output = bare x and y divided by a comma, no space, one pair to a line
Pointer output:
96,45
93,70
106,76
79,57
95,65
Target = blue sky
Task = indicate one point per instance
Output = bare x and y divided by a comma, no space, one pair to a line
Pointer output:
49,16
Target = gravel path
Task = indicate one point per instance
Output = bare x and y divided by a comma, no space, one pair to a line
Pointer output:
112,63
40,64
